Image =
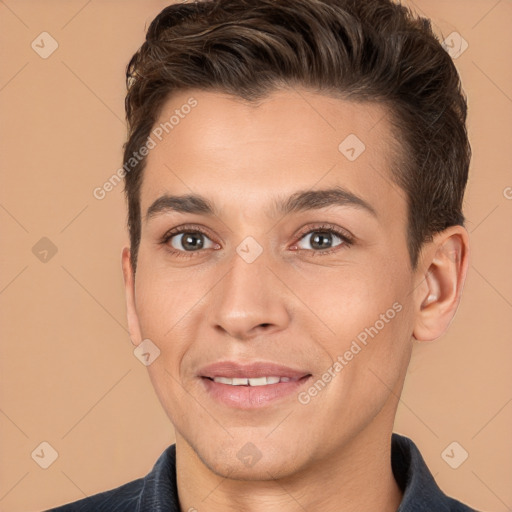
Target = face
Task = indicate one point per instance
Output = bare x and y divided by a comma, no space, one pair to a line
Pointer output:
268,266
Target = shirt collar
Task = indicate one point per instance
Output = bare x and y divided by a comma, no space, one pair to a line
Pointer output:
420,490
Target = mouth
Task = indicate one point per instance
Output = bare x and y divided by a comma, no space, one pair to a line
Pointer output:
255,381
241,372
251,386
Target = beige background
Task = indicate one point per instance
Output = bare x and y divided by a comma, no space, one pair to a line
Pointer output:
68,374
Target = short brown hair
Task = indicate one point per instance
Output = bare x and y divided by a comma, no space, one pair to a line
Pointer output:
364,50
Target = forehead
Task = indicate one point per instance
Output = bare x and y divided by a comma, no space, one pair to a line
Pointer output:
239,153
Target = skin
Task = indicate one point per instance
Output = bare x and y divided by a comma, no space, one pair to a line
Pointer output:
292,305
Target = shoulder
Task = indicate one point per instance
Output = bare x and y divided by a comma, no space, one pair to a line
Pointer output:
157,489
420,490
120,499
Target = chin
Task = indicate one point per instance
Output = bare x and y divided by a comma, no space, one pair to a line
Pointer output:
239,458
263,470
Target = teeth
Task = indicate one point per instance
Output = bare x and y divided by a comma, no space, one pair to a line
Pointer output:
238,382
223,380
258,381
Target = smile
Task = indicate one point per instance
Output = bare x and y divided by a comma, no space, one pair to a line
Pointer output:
258,381
251,393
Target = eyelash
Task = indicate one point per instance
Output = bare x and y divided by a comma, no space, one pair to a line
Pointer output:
347,240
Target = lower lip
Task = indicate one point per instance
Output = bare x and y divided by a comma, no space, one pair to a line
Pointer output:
252,397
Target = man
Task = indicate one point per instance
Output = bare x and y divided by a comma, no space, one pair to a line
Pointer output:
294,174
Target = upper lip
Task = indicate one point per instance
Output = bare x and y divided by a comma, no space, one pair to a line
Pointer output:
232,369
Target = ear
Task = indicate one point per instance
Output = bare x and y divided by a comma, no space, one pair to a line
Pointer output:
129,289
443,266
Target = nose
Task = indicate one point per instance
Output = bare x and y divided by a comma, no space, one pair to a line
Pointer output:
250,300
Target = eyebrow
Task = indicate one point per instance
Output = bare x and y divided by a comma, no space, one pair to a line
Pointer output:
300,201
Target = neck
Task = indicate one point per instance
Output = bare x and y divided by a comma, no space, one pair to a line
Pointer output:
357,477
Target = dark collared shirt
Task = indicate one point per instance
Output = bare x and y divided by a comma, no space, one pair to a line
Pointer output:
158,492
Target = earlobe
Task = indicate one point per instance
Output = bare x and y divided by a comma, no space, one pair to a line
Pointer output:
446,260
129,289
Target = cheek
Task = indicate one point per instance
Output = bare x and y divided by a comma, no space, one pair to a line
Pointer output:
346,299
364,317
162,298
154,307
373,352
168,302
